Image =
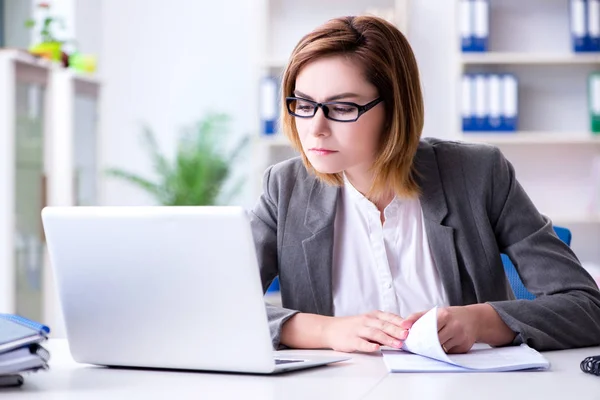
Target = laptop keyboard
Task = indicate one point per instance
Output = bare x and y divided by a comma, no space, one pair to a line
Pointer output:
279,361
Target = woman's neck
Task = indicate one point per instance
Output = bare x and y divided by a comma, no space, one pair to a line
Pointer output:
363,182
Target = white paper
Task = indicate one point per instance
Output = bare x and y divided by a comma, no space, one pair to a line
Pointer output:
422,352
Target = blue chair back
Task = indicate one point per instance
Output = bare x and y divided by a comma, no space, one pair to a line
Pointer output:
518,288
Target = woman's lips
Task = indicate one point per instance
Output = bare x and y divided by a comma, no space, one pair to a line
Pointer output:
322,152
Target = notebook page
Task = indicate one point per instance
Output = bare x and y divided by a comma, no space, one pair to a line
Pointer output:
428,354
423,338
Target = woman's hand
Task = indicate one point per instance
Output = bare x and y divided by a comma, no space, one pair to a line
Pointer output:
460,327
364,333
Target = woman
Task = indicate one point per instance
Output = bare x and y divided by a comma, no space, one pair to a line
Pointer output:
371,227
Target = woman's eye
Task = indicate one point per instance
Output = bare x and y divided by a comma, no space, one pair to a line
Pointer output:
304,108
342,110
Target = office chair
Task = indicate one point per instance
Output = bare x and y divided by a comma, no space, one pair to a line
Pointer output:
516,284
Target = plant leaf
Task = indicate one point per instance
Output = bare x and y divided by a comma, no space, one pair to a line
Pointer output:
137,180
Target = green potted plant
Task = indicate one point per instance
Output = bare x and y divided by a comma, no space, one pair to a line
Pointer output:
200,169
50,46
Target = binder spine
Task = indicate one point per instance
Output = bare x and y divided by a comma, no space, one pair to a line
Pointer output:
578,26
510,102
494,93
466,25
268,105
593,25
481,106
594,101
481,24
467,103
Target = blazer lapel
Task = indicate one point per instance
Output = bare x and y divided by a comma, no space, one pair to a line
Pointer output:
318,249
435,209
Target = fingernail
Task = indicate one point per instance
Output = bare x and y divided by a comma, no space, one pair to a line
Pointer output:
404,334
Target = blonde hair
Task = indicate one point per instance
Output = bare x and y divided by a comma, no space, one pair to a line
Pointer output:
390,65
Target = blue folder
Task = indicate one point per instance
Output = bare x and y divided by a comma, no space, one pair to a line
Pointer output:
17,332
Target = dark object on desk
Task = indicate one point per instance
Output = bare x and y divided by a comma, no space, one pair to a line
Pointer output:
591,365
10,380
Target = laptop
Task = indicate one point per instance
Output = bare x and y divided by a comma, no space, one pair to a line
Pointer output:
163,287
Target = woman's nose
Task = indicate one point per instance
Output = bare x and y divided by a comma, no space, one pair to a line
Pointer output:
319,124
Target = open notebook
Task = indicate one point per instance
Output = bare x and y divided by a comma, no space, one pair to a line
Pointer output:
422,352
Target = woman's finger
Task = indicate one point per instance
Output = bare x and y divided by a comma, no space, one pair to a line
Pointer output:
389,328
455,345
388,317
365,346
408,322
445,334
378,336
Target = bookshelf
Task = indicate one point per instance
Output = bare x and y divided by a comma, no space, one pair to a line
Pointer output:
522,58
553,151
48,153
532,138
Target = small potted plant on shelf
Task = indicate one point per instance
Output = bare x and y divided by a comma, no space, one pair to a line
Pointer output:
50,46
199,171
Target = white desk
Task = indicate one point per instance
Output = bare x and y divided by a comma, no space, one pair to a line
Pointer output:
365,377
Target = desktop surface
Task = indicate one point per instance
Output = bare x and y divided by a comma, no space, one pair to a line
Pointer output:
363,377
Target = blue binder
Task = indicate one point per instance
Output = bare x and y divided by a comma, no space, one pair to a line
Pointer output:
494,93
593,25
578,25
268,105
481,25
481,120
474,25
16,332
466,25
468,103
510,103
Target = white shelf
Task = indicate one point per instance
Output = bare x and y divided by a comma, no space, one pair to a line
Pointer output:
275,63
575,219
530,137
276,140
521,58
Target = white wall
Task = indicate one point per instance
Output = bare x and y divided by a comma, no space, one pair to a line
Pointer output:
165,64
15,14
437,61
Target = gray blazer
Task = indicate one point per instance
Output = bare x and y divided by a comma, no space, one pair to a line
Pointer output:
474,209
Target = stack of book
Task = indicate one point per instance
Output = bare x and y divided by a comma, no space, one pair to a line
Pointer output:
21,348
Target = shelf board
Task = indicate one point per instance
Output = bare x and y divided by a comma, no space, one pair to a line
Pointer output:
530,137
275,140
275,63
575,219
519,137
499,58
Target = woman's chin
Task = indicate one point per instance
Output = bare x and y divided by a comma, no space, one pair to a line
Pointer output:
326,168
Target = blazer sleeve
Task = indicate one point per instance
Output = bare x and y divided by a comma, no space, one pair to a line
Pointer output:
566,310
263,221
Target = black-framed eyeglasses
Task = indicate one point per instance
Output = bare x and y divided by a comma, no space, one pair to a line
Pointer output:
340,111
